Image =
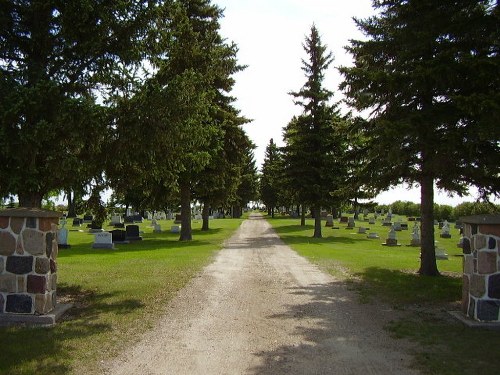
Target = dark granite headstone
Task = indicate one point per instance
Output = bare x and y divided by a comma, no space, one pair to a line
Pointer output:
119,236
88,218
133,233
129,219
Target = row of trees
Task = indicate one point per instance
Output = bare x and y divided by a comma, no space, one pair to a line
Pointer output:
426,74
132,96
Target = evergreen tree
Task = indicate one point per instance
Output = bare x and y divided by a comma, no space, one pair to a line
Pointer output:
271,177
53,56
312,149
428,71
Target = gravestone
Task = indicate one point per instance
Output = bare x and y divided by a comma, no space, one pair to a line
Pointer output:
445,230
391,239
397,226
62,235
373,235
362,230
129,219
132,233
87,219
154,222
387,222
441,254
157,228
77,222
175,229
137,218
119,225
94,227
371,221
350,223
119,236
103,240
344,219
415,235
178,219
116,219
329,221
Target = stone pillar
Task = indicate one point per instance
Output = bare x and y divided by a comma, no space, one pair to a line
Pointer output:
28,262
481,276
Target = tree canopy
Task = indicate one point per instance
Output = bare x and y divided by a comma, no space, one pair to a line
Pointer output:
428,72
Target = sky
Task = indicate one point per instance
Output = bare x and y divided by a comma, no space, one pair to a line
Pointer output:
270,36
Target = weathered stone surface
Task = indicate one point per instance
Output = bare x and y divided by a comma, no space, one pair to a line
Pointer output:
8,283
494,286
479,242
468,264
465,293
19,303
7,243
471,310
487,262
466,249
492,229
53,281
1,304
16,224
34,242
492,243
42,265
477,285
4,222
37,284
31,222
55,250
2,264
45,223
53,266
43,303
488,311
19,265
19,247
22,286
49,237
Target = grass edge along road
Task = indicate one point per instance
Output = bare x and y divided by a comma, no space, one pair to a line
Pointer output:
388,274
117,295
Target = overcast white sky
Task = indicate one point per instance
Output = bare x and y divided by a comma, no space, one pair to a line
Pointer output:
269,34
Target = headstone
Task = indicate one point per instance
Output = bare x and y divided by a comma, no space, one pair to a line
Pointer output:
120,225
88,219
129,219
361,230
197,217
132,233
391,239
404,226
154,222
415,235
62,235
119,236
170,216
329,221
373,235
94,227
445,230
371,221
175,229
344,219
397,226
178,219
350,223
77,222
116,219
387,222
137,218
157,228
441,254
103,240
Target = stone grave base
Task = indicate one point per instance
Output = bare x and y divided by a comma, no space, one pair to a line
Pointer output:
474,323
103,246
391,242
63,246
9,319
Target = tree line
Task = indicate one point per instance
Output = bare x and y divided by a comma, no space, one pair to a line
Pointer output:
425,77
132,95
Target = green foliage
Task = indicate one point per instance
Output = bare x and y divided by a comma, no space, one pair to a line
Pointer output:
117,294
270,180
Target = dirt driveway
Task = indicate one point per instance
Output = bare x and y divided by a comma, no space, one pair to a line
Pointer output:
262,309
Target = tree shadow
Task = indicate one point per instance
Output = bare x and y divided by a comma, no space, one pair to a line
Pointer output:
341,340
50,348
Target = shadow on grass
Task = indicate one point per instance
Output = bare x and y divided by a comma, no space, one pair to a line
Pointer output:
50,349
400,288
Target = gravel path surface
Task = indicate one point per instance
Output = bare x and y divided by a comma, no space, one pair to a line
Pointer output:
262,309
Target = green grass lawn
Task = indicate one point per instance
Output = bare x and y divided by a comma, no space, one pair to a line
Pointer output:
446,346
117,295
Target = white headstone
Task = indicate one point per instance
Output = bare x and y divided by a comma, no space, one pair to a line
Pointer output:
103,240
157,228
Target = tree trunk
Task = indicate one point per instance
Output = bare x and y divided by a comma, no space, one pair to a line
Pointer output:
185,188
71,203
303,216
272,212
205,213
317,222
30,199
428,264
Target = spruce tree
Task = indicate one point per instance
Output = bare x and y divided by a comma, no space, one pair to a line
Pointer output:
428,72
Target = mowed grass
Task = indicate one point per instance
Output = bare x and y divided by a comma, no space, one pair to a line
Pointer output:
376,272
117,295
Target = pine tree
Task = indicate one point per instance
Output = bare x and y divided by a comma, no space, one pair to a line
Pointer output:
428,71
312,145
271,177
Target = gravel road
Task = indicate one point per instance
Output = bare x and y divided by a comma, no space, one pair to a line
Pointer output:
259,308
